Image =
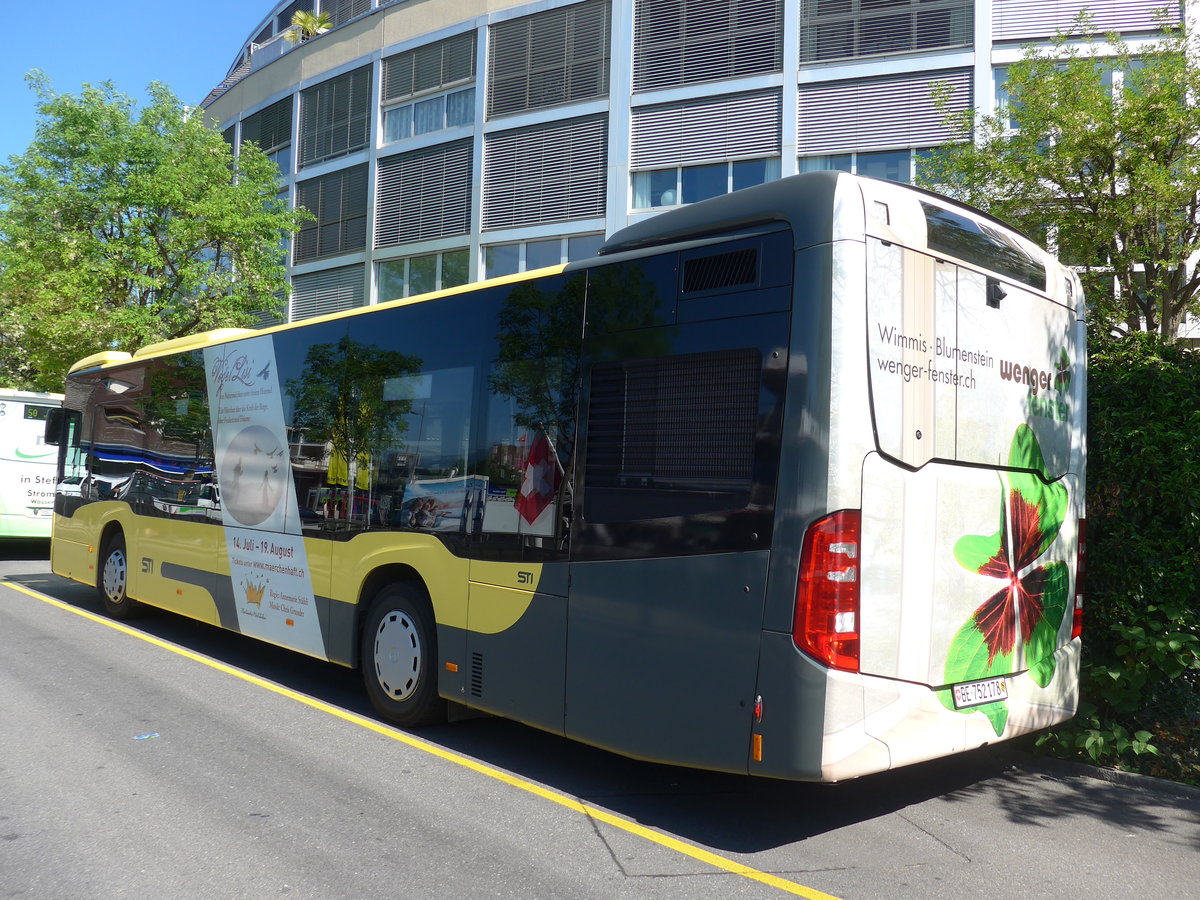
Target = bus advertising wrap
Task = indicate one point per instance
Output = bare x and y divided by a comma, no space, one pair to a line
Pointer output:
268,564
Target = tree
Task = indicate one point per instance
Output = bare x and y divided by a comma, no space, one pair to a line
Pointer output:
122,226
1140,699
1097,150
341,398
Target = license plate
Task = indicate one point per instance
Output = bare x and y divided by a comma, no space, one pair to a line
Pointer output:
977,693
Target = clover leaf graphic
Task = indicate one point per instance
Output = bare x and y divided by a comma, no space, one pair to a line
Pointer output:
1062,378
1025,612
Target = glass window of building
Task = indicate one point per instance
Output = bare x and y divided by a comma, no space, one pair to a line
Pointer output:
522,256
501,259
414,275
837,162
549,58
691,184
338,203
425,89
891,165
450,110
271,129
335,117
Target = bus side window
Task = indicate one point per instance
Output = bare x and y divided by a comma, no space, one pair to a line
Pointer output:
532,387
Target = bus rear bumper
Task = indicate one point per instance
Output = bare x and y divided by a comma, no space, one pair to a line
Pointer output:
917,723
826,725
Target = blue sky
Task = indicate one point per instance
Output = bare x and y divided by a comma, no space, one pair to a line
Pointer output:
188,46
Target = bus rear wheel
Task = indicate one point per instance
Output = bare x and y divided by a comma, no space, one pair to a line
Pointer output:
399,658
113,583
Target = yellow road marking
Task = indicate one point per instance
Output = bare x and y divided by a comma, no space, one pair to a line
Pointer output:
417,743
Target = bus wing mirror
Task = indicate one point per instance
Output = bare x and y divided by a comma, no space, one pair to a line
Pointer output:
54,426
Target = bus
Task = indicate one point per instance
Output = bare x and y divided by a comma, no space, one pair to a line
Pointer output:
788,482
26,464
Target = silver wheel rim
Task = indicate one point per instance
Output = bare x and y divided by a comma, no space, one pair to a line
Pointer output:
114,576
397,655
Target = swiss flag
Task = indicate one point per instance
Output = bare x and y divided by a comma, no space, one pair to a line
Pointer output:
540,480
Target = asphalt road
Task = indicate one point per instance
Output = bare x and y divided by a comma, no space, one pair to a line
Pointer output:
171,759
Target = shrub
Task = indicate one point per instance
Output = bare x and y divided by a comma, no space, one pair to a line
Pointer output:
1140,704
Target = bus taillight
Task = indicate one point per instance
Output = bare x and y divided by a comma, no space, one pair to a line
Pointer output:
1080,566
826,623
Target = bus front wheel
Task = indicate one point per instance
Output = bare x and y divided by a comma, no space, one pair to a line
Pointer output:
113,583
399,658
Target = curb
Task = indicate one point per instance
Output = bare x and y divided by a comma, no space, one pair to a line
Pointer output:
1065,768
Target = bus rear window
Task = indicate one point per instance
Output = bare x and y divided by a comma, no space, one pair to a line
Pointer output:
981,244
672,436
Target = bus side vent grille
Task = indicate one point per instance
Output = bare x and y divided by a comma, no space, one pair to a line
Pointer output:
476,674
735,268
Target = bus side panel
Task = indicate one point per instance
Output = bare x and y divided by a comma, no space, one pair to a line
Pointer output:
74,552
164,547
662,657
518,672
72,555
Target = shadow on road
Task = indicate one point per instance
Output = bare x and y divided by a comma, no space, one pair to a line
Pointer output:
735,814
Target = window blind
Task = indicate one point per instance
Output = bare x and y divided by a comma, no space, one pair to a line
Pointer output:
738,125
844,29
552,57
270,128
335,117
554,172
423,194
871,114
338,201
679,42
429,68
330,291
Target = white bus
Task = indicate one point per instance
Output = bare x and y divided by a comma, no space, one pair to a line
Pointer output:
26,464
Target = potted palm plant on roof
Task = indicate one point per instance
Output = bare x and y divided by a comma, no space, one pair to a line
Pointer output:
308,24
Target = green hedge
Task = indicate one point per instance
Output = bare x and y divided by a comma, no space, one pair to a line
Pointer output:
1141,653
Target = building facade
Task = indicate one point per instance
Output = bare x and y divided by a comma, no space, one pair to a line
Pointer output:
438,142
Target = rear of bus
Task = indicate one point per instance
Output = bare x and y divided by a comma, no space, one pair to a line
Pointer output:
938,599
26,464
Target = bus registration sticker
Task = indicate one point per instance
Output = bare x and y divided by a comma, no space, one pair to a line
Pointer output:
977,693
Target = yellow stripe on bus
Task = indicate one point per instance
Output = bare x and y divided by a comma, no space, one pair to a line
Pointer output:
578,806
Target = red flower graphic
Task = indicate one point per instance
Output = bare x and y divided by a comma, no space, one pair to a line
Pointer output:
1019,602
1028,610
